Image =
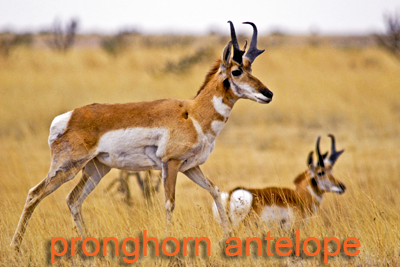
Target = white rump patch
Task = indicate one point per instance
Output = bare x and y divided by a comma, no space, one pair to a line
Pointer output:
279,215
221,107
240,205
58,126
133,149
224,197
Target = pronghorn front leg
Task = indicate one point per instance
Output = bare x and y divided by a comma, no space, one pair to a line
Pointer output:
196,175
169,173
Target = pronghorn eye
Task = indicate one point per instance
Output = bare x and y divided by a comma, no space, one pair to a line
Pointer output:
236,73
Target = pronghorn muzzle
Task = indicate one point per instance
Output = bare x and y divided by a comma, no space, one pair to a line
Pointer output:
267,93
343,187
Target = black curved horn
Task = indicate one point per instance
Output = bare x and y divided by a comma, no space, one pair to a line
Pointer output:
237,53
253,52
334,154
320,158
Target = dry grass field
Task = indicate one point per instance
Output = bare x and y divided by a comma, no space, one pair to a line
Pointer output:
350,92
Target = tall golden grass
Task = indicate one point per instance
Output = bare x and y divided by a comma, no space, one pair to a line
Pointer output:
352,93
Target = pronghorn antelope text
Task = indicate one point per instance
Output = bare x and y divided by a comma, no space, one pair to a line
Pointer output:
281,205
169,134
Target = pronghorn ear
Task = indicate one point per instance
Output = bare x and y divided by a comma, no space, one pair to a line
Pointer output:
320,161
310,161
226,55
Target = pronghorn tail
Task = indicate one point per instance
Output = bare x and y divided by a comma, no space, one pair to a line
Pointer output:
238,204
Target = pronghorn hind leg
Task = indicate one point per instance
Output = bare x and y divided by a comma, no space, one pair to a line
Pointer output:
64,171
169,174
92,173
196,175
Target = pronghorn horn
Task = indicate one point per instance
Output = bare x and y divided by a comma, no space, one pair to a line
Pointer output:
237,53
320,158
334,154
310,161
253,52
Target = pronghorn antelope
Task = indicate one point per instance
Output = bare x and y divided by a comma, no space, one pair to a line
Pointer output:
283,205
169,134
149,183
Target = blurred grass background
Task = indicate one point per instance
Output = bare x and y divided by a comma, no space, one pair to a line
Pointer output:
351,91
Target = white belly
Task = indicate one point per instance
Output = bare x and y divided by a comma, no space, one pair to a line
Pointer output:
277,214
133,149
138,149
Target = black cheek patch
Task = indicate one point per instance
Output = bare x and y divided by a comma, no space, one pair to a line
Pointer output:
227,84
314,182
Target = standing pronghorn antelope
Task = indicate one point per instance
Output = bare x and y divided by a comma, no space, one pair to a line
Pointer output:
280,205
169,134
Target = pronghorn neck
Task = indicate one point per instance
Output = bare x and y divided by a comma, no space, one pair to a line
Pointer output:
216,85
304,186
214,102
316,195
214,93
301,182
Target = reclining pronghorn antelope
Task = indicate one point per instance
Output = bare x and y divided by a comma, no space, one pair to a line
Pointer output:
169,134
284,205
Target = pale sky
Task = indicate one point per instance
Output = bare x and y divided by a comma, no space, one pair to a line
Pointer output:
199,17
